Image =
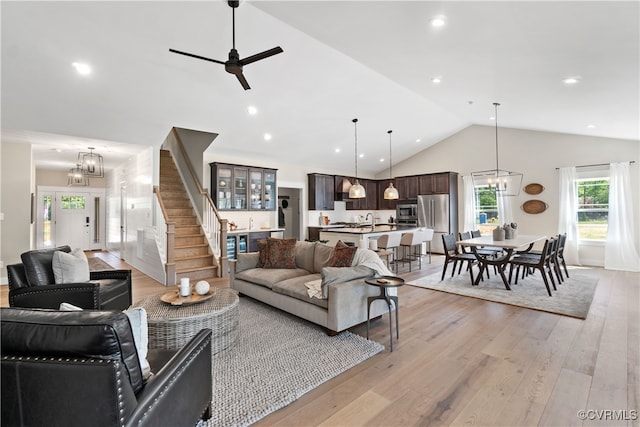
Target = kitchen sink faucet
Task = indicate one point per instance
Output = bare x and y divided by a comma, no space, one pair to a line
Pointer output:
373,220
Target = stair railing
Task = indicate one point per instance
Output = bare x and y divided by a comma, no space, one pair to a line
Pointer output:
165,238
214,226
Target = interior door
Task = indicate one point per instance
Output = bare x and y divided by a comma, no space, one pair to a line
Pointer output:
73,219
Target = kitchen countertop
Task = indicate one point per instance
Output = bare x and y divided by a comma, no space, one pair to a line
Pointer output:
367,229
253,230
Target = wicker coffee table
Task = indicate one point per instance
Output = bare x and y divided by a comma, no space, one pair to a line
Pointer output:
171,327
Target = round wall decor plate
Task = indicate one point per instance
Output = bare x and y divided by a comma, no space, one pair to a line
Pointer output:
534,188
534,206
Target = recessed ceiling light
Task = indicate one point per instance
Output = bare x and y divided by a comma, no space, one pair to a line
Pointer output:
436,79
438,21
267,137
82,68
591,126
492,118
252,110
571,80
381,159
418,140
361,155
337,150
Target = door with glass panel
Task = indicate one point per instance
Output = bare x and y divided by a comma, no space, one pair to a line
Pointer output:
73,223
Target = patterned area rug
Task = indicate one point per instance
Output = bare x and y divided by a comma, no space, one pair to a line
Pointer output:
276,359
573,297
96,264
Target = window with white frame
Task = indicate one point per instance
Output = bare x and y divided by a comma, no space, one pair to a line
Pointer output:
486,205
593,208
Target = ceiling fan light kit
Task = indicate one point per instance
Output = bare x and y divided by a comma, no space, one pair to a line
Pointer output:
505,183
234,64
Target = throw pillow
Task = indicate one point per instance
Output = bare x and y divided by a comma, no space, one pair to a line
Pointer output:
263,253
342,255
140,329
70,267
282,253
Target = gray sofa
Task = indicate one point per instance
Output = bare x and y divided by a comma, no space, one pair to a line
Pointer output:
342,299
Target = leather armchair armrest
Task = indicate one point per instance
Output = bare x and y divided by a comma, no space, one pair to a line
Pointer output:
180,390
84,295
114,274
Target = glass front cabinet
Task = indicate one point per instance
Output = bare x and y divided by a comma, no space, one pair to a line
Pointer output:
237,187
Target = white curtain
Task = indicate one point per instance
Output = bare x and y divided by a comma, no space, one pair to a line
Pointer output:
505,210
620,251
469,204
567,215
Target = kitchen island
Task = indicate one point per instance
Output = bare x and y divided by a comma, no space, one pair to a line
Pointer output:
360,236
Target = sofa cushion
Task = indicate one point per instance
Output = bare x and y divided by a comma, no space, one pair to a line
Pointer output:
37,265
342,255
305,251
334,275
295,288
70,267
322,257
282,253
267,277
247,260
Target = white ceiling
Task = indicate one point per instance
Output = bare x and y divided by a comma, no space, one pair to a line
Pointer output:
373,60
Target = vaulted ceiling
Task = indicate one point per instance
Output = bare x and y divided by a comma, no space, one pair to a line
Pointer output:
371,60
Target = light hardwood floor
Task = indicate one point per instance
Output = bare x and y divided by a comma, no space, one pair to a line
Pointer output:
463,361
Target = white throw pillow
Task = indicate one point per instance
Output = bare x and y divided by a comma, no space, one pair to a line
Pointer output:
138,320
70,267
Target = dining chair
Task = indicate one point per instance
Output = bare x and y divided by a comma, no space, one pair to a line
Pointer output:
540,262
453,255
562,240
494,252
480,251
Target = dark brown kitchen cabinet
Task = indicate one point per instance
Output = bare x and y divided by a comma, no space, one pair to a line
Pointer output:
437,183
321,192
238,187
407,187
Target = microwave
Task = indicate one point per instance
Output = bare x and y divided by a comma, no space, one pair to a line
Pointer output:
407,211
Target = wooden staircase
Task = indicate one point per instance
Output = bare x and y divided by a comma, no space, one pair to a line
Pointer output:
193,258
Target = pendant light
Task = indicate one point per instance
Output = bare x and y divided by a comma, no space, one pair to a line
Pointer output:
505,183
390,193
75,177
91,163
356,191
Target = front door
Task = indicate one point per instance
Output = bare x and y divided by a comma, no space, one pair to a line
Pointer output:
73,219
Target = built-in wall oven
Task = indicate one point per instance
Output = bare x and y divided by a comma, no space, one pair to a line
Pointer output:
407,212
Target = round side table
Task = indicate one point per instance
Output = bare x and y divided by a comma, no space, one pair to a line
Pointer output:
385,283
171,327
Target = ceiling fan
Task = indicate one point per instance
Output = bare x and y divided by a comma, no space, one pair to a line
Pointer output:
234,64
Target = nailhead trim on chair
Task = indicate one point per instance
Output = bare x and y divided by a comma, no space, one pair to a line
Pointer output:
42,291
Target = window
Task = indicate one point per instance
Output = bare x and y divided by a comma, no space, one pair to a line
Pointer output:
46,220
486,208
72,202
593,208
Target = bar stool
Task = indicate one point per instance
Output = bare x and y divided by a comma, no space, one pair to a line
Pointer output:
427,236
390,242
408,242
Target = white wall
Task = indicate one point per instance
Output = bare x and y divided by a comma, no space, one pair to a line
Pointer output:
55,178
535,154
17,184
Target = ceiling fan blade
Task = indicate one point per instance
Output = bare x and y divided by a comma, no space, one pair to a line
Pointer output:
261,55
196,56
242,80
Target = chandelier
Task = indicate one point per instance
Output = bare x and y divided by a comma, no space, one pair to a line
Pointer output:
76,177
91,163
390,193
505,183
356,191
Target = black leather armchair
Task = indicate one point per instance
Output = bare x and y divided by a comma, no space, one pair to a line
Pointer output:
32,285
81,368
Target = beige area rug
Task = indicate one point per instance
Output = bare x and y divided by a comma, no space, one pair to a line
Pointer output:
96,264
573,297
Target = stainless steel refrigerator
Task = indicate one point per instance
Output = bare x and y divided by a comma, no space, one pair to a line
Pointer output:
434,212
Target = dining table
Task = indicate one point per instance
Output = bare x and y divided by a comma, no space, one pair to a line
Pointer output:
520,243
